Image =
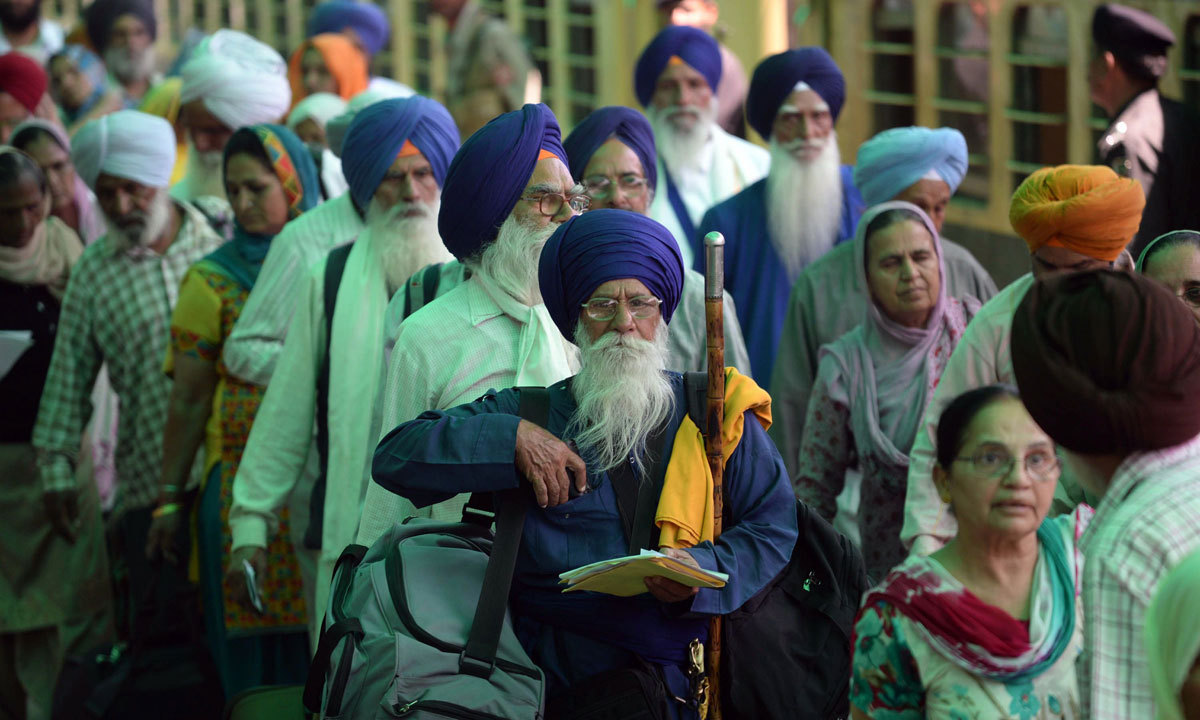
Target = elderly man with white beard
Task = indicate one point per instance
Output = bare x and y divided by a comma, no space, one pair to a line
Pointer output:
232,80
331,368
117,311
506,191
611,280
700,163
806,204
123,33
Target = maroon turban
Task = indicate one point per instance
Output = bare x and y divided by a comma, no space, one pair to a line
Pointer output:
23,78
1108,362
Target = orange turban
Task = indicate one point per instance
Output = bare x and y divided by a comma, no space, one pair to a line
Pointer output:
345,61
1085,208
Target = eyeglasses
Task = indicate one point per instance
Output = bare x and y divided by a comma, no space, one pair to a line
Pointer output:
551,204
605,309
599,187
994,463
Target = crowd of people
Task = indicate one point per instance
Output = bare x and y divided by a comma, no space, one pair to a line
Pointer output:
258,309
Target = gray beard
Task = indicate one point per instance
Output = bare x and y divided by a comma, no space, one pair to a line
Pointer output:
621,396
405,244
128,68
142,229
205,173
804,205
510,262
682,149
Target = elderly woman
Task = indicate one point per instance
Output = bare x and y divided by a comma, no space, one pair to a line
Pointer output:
1173,260
1173,642
71,200
873,383
270,179
327,63
989,626
79,85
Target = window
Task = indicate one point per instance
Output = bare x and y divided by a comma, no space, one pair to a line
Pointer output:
963,89
892,90
581,61
1038,112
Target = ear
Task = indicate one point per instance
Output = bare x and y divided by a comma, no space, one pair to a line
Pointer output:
941,479
1124,262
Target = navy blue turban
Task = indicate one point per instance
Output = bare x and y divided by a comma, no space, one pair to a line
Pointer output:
695,47
590,249
489,175
377,135
368,22
102,14
625,124
775,78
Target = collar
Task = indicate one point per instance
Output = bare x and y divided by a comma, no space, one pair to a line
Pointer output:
480,300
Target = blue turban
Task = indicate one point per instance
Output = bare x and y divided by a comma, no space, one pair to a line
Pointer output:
895,159
368,22
695,47
776,77
627,125
489,175
590,249
379,131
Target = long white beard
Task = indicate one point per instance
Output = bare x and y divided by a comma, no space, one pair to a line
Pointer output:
403,244
127,67
205,173
511,261
621,395
140,229
804,203
682,148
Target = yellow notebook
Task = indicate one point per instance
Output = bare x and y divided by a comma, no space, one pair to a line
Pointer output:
624,577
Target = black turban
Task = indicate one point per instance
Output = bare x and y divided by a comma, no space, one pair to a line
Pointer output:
101,15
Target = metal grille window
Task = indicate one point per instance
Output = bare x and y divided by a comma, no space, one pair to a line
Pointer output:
963,88
892,91
1038,110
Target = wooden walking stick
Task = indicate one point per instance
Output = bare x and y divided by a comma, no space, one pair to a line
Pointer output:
714,416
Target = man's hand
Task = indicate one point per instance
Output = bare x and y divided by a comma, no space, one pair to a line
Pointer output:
62,510
236,577
164,529
669,591
545,460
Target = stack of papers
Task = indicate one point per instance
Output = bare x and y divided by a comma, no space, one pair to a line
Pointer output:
13,344
624,576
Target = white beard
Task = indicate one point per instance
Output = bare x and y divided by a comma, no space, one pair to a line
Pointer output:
804,203
127,67
204,174
511,261
404,245
621,395
682,148
140,229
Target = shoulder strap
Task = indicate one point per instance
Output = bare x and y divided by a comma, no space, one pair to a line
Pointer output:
680,208
479,656
695,391
335,266
422,288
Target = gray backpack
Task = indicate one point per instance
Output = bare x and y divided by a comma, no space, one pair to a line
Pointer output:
417,625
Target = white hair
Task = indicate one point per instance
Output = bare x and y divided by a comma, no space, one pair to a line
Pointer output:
682,147
804,201
622,395
142,228
405,238
127,67
510,262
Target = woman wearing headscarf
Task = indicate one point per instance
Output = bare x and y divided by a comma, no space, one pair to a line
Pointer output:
309,117
1173,642
873,383
71,200
79,85
1173,261
270,179
991,625
327,63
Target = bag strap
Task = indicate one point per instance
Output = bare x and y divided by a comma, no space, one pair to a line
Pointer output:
637,499
422,288
478,658
695,392
677,205
330,640
335,267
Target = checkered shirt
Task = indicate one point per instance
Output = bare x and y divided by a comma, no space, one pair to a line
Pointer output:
117,310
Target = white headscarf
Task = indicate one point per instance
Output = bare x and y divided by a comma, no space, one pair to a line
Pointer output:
1173,635
320,107
128,144
241,80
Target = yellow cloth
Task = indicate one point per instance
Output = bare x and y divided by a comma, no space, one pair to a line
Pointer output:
685,509
163,100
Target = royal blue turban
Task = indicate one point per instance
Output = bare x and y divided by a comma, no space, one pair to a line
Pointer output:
775,78
590,249
489,175
368,22
627,125
894,159
379,131
694,47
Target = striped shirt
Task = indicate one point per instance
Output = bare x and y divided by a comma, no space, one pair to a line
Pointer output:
117,310
1148,521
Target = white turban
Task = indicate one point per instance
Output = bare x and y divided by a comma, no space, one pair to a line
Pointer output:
241,80
320,107
335,128
126,144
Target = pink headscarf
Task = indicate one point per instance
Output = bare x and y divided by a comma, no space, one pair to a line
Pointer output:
91,222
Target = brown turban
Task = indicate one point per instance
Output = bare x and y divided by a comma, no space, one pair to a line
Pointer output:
1108,362
1085,208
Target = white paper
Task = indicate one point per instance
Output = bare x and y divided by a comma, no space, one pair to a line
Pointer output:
13,344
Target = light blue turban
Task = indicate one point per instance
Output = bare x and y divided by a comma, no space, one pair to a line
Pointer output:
895,159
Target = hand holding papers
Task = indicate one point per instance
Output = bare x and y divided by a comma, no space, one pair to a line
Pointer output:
624,576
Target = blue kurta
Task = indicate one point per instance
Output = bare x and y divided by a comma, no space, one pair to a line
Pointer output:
755,275
471,448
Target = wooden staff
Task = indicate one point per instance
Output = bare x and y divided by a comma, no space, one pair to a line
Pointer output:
714,416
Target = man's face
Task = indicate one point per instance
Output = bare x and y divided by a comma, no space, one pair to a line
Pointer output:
311,132
1100,71
315,73
614,178
681,88
932,196
56,166
22,209
550,176
12,114
1048,261
630,294
410,180
18,15
129,32
700,14
125,203
207,132
804,116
